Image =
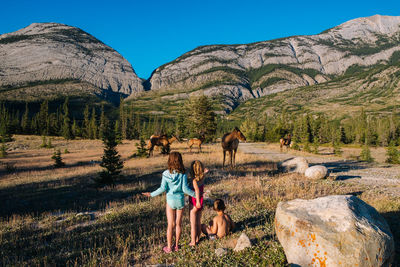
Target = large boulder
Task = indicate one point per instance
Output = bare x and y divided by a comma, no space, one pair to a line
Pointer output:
298,164
316,172
333,231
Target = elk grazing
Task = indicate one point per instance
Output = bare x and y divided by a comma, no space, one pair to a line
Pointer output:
196,141
230,143
160,140
286,142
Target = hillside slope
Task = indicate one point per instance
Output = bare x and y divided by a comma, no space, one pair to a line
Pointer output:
52,53
234,74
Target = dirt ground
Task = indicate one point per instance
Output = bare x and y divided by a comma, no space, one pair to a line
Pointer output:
378,174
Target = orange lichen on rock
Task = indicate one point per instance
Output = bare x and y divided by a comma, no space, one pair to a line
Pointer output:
312,236
302,243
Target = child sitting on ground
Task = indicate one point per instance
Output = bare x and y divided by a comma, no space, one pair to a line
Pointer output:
221,225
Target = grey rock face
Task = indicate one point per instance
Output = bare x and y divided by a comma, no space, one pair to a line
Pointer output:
52,51
242,72
333,231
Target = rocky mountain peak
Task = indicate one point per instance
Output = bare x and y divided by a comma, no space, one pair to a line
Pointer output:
362,27
53,51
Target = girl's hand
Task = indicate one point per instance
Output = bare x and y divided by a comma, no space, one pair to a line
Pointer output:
198,205
206,170
147,194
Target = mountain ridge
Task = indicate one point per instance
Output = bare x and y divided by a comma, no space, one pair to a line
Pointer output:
229,74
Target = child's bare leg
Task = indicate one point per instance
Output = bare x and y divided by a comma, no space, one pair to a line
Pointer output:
178,229
193,226
171,215
198,225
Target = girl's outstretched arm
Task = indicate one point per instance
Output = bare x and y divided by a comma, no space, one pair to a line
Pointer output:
185,187
161,189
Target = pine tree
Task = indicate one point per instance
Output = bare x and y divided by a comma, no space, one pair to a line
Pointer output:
44,142
49,144
365,154
58,163
393,154
3,150
141,149
43,118
5,133
111,160
103,123
117,132
200,117
86,123
93,125
25,120
123,118
76,131
66,127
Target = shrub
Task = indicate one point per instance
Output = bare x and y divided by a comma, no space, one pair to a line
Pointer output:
337,150
58,163
307,147
3,150
365,154
393,155
141,149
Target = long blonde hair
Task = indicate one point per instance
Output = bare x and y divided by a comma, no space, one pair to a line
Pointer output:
197,170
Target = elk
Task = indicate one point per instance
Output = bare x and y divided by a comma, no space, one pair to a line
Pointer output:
160,140
230,143
196,141
286,142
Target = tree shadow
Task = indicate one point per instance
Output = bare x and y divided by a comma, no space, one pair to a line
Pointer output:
346,177
18,170
392,218
344,165
77,194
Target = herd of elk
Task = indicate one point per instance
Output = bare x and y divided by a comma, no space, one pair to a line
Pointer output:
197,142
160,140
286,142
230,143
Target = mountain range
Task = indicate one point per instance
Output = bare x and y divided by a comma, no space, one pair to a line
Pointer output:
53,60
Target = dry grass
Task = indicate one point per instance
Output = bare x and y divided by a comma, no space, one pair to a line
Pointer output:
42,221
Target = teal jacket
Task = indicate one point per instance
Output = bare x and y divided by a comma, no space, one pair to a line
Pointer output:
175,184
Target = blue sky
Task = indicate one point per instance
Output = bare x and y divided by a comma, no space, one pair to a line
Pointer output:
151,33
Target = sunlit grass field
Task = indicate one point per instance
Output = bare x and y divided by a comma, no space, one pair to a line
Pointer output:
61,217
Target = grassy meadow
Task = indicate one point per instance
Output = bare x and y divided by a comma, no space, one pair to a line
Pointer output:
61,217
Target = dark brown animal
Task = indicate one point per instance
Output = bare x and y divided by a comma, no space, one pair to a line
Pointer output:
286,142
160,140
230,143
197,142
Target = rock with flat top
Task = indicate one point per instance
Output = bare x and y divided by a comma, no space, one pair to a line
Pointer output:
316,172
333,231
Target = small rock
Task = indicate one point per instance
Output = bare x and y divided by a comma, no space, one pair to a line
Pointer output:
316,172
221,252
298,164
242,243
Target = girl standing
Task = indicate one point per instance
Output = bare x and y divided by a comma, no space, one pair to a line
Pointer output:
174,182
196,204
